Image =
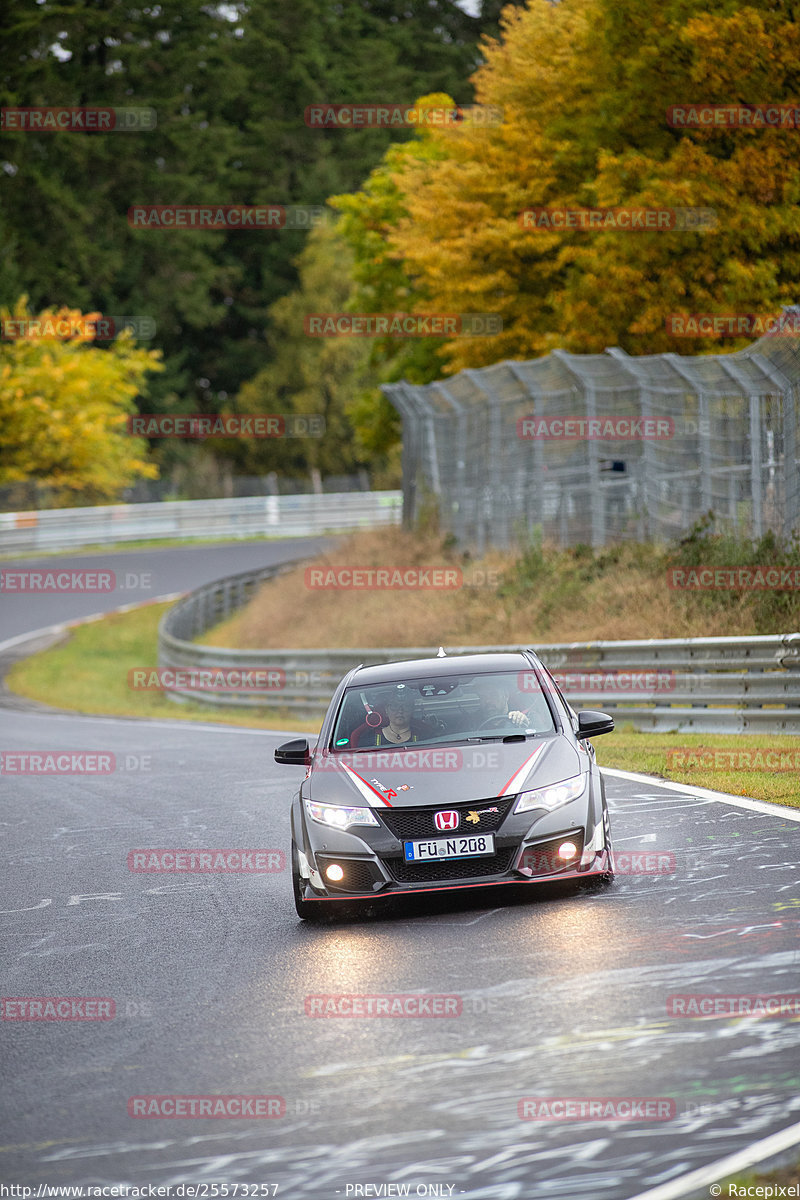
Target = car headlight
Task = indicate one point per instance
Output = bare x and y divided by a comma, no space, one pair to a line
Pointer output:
340,816
553,796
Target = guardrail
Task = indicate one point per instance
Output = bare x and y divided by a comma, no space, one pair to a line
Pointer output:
246,516
699,685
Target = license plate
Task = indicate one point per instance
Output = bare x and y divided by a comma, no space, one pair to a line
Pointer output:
452,847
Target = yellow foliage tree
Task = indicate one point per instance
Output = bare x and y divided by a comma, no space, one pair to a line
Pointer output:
64,404
462,239
585,86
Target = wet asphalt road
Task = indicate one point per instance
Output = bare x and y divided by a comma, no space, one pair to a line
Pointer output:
134,576
560,995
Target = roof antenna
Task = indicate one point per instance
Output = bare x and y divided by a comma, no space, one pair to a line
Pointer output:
441,653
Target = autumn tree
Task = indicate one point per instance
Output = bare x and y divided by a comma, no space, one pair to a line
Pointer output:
229,84
584,86
64,404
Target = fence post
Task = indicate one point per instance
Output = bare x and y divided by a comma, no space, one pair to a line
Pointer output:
790,482
497,499
454,497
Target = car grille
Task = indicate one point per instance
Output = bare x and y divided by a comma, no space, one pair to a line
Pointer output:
409,823
359,876
448,869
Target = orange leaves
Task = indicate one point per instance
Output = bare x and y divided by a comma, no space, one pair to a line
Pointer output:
584,87
64,403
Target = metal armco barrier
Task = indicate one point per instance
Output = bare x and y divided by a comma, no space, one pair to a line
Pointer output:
246,516
691,685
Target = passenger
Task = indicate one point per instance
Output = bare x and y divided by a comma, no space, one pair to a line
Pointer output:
399,729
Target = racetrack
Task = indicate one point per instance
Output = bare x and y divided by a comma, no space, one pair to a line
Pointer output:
561,996
138,576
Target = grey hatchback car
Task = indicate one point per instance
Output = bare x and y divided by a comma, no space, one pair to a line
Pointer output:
469,771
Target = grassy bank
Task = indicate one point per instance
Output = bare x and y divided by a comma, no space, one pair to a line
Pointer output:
543,595
121,547
88,673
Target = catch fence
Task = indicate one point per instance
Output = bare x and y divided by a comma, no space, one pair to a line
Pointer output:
675,437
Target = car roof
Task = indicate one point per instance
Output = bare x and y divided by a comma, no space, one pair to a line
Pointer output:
456,664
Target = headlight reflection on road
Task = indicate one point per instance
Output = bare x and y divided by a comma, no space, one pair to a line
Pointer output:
345,960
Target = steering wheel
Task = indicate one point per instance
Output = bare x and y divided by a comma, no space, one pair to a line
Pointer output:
497,719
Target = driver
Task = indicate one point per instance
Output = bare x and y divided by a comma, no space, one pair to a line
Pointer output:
493,697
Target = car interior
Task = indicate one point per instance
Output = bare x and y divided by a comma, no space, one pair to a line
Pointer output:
455,708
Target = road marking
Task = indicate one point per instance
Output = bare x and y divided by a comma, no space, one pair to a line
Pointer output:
740,1160
698,793
63,626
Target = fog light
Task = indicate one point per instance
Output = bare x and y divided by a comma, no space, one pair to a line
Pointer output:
567,850
335,873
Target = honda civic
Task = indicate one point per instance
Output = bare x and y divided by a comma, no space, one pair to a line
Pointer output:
468,771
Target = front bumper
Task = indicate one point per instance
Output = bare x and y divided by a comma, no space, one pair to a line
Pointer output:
600,867
525,853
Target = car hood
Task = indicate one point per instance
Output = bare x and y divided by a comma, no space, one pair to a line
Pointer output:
442,774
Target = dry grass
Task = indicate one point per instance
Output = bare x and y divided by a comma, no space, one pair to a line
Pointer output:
573,597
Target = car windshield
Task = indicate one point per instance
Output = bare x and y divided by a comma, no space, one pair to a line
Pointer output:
424,711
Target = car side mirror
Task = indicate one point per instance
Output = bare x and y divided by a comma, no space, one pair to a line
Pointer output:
294,754
592,723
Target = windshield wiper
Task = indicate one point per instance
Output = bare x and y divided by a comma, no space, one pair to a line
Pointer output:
501,737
